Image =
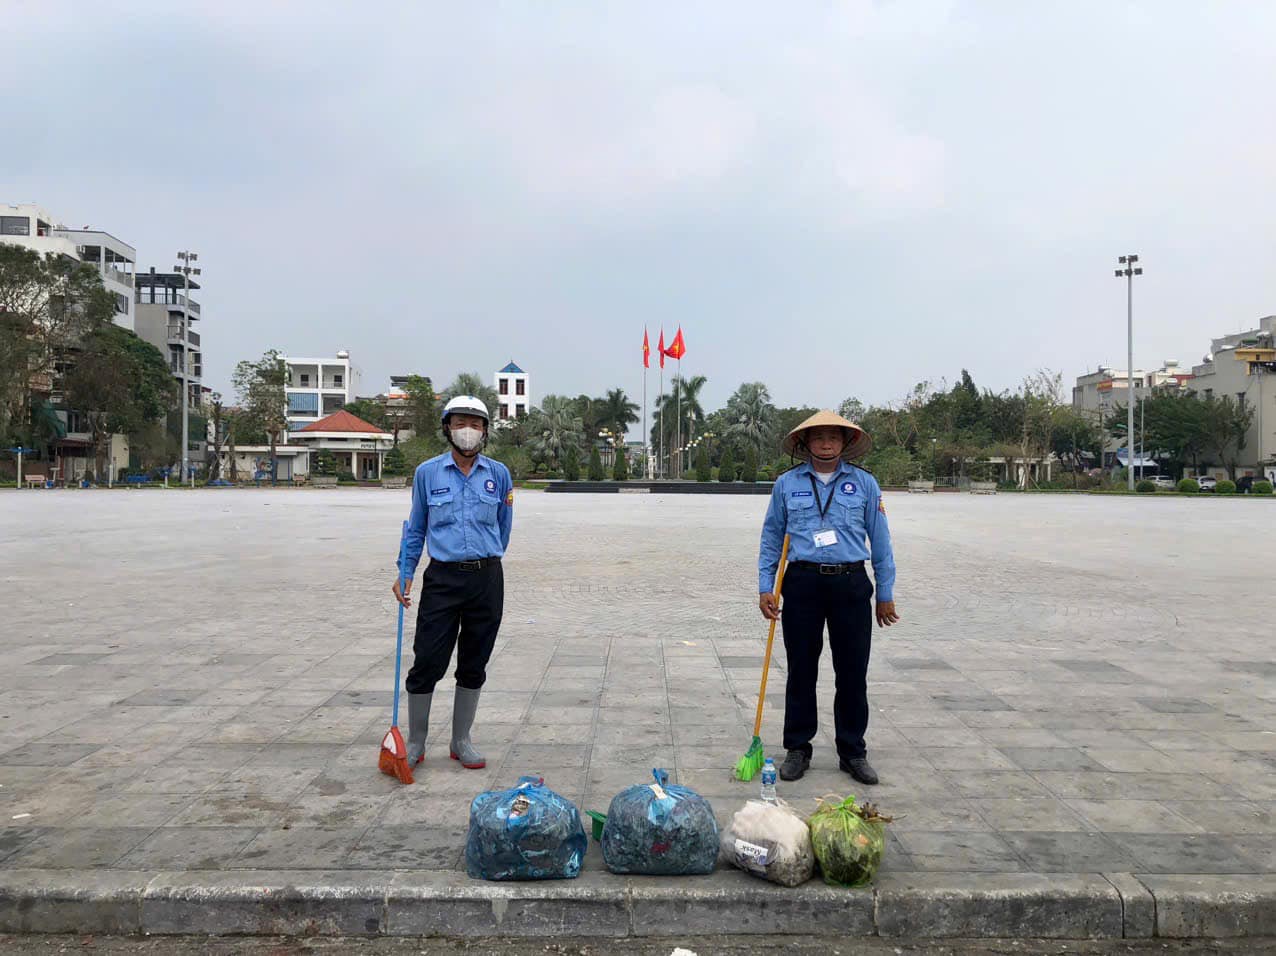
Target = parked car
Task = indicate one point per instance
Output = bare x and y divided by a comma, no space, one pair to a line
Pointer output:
1164,482
1245,484
1207,483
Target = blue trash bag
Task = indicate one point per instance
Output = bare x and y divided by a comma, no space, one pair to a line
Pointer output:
525,833
660,830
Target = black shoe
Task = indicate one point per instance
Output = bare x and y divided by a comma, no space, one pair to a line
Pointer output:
859,768
796,763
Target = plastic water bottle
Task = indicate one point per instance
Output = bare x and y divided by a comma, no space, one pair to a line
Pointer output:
768,781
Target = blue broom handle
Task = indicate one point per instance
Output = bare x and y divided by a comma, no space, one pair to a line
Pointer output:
398,645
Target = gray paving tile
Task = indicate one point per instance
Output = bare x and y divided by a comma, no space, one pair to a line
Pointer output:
1184,853
1069,852
1175,705
188,848
70,658
409,847
1134,816
77,848
970,852
298,848
47,754
1050,758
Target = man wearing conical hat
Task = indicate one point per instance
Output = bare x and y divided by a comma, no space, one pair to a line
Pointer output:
832,512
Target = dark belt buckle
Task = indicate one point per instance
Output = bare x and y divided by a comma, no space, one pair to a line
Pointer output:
830,569
471,565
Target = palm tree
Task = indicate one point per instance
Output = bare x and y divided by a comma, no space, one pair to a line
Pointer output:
469,383
617,412
750,415
683,400
555,427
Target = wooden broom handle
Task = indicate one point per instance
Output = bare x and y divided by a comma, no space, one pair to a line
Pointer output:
770,638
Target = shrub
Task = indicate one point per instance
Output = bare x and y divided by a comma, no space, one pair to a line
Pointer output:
1145,487
395,463
1262,488
595,465
703,470
620,470
1225,487
749,472
1188,486
346,476
571,464
726,467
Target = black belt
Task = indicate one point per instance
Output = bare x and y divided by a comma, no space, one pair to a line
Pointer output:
827,568
476,565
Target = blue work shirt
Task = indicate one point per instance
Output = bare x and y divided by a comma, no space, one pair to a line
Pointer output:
460,517
856,514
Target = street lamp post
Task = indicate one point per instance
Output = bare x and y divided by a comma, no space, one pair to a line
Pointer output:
186,270
1128,271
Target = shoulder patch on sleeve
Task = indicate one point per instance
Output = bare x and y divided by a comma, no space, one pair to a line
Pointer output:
881,506
509,498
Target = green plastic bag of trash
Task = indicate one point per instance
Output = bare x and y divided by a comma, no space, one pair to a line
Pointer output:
848,841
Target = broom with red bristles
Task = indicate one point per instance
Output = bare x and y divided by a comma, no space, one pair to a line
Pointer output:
394,752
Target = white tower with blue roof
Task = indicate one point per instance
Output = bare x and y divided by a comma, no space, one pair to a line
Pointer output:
513,393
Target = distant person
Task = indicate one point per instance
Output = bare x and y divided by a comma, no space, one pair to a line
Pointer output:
832,512
463,511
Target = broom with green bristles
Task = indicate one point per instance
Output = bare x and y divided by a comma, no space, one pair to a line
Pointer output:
754,757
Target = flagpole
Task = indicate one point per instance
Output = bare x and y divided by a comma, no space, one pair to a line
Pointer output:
646,438
660,437
681,382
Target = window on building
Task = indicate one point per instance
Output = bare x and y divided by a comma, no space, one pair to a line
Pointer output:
121,304
303,403
305,380
504,388
337,381
520,387
1209,393
15,226
522,411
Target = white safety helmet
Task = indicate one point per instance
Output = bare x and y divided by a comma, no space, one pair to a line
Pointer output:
466,405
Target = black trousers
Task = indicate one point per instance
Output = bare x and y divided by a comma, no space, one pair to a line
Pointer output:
843,602
456,610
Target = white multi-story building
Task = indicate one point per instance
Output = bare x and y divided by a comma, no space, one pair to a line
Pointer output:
318,387
1243,367
30,225
513,393
1100,393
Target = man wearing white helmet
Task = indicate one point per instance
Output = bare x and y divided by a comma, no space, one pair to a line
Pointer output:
463,510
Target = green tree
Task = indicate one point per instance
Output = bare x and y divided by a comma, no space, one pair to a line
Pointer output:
620,468
371,411
571,463
683,398
749,416
553,428
596,472
326,464
1226,425
261,388
704,471
48,305
616,412
121,384
421,409
470,383
395,464
749,472
726,466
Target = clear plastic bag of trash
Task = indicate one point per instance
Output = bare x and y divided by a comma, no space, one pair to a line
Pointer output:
528,832
660,829
771,841
848,840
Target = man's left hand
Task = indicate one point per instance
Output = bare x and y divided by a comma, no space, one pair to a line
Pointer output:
886,615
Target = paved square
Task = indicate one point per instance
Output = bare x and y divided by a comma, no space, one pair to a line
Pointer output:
199,680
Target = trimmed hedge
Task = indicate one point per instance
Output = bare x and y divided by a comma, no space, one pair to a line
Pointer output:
1225,487
1262,488
1145,487
1189,486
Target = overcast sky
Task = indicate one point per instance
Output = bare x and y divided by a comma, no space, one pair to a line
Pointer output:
835,199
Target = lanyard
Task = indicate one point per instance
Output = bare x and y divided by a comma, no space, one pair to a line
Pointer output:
824,508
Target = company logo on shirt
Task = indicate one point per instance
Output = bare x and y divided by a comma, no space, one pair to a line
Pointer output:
489,486
848,487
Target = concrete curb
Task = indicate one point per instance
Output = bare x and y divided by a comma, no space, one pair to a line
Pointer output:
375,903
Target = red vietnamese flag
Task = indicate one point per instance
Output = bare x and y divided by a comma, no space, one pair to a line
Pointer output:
660,348
677,348
646,350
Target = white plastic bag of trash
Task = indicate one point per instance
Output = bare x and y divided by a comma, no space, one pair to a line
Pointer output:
770,840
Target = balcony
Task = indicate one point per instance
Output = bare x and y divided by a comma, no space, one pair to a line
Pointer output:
175,334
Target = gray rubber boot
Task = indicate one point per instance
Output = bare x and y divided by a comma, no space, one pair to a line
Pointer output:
463,710
418,726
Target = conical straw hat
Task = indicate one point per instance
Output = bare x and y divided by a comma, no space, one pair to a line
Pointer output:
857,441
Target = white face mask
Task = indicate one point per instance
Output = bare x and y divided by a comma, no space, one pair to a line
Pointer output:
467,439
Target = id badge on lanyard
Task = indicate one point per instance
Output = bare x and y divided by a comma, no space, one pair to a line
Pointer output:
826,537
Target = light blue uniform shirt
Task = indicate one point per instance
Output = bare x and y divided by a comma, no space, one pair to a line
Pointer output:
460,518
856,514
